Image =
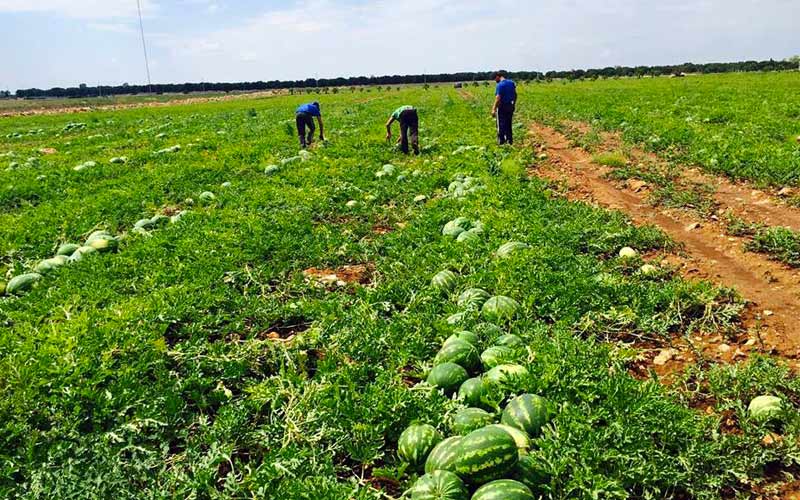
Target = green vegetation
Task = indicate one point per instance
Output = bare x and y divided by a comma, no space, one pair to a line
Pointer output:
198,360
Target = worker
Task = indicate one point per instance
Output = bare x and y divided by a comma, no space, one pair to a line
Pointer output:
409,122
305,119
505,103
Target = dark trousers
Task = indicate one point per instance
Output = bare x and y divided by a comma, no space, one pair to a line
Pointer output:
409,126
304,120
505,118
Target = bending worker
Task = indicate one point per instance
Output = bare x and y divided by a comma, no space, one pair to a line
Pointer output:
409,121
505,103
305,119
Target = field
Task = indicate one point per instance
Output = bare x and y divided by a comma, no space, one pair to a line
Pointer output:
273,341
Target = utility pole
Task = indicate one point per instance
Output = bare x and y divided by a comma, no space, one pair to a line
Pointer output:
144,46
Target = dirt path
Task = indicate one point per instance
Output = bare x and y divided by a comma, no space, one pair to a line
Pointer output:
773,289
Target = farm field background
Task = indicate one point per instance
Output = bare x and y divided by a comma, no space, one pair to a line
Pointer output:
201,361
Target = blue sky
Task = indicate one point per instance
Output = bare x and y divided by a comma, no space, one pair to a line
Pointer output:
65,42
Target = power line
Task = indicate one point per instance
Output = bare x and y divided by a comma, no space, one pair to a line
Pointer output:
144,46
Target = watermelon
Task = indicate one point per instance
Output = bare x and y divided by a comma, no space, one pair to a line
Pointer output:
508,248
51,264
444,281
416,442
460,352
443,456
628,253
271,169
80,252
485,455
498,355
447,376
456,227
455,319
472,392
102,242
507,378
499,308
143,224
470,236
22,283
465,336
529,473
159,220
67,249
510,340
472,298
503,489
520,437
96,235
207,197
527,412
488,330
470,419
439,485
765,408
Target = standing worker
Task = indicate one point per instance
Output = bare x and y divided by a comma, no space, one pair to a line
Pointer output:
305,118
409,120
505,103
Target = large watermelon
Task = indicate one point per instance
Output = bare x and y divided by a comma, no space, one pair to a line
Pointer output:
444,281
510,340
443,456
498,355
520,437
765,408
485,455
507,378
499,308
439,485
67,249
527,412
460,352
472,298
472,392
447,376
508,248
470,419
22,283
416,442
503,489
530,473
464,335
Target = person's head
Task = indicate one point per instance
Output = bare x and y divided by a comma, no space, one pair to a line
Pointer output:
315,104
500,75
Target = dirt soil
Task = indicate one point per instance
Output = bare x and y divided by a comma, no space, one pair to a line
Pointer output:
773,289
358,273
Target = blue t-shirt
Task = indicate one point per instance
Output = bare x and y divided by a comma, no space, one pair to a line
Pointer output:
507,90
310,109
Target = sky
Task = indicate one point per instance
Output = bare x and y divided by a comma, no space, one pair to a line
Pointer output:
63,43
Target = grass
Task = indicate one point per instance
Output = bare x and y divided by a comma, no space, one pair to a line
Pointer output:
611,159
151,372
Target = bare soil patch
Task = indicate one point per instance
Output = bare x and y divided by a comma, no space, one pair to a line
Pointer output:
349,274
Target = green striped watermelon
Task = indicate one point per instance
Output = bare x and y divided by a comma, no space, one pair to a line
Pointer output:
498,355
520,437
457,318
473,298
527,412
530,473
510,340
503,489
443,456
465,336
470,419
470,236
488,330
448,377
472,392
499,308
416,442
22,283
456,227
508,248
67,249
439,485
103,243
444,281
507,378
460,352
51,264
485,455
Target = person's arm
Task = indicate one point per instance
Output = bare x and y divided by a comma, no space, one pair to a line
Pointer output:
495,105
389,128
321,128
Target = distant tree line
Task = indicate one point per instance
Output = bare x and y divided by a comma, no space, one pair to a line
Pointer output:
579,74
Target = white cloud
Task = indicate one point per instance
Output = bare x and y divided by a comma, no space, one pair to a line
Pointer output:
125,29
81,9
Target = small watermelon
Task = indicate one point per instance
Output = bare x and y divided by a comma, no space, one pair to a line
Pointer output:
765,408
520,437
104,243
510,340
499,308
503,489
498,355
97,235
271,169
439,485
22,283
443,456
159,220
508,248
143,224
444,281
207,197
456,227
465,336
51,264
470,419
460,352
416,442
67,249
81,252
472,392
470,236
486,454
472,298
527,412
448,377
530,473
507,378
